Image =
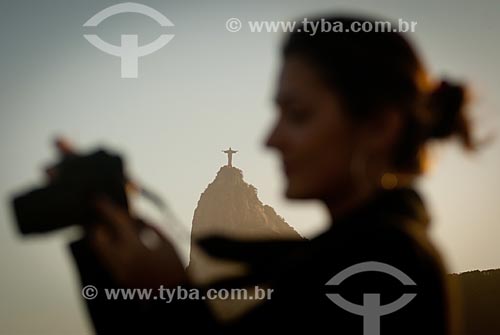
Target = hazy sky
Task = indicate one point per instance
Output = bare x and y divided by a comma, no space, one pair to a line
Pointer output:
208,89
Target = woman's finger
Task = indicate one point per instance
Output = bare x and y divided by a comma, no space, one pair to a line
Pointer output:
51,173
64,146
153,228
118,218
101,239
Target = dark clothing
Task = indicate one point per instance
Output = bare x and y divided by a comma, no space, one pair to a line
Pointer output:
390,228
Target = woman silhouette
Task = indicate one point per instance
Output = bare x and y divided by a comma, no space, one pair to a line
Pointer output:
356,112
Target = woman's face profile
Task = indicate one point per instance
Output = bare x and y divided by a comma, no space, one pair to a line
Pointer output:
312,134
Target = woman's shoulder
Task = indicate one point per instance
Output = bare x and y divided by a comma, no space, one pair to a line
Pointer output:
375,242
402,242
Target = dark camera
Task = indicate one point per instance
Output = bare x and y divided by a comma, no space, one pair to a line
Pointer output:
67,199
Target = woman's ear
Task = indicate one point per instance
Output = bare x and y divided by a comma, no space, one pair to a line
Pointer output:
383,131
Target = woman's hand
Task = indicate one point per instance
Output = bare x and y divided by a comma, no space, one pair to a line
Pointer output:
136,253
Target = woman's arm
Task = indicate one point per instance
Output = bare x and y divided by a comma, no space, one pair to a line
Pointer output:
113,257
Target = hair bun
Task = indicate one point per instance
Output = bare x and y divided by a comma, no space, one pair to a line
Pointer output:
447,104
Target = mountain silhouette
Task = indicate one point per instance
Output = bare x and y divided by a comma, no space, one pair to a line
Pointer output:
480,293
230,207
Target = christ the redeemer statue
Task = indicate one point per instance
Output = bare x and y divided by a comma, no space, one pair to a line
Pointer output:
230,153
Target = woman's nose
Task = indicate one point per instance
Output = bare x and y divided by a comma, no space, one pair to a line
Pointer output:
275,138
271,139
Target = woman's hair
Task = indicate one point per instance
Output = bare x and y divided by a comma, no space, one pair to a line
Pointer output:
373,71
